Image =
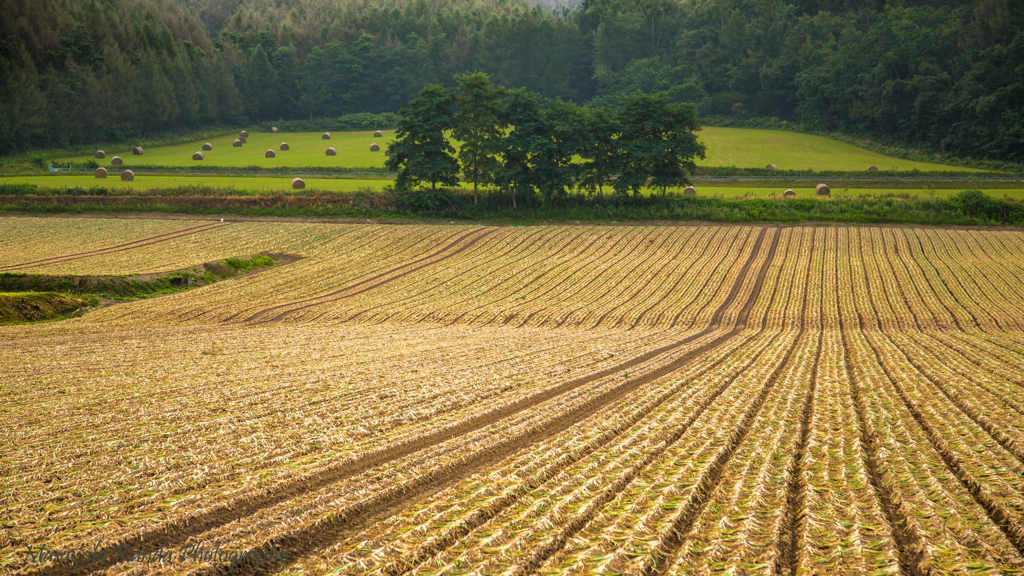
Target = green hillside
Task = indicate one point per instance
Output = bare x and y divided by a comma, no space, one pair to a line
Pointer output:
747,148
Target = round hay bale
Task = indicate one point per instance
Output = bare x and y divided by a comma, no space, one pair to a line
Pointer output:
374,147
326,136
127,175
332,152
284,145
207,147
237,143
789,193
274,129
244,140
823,190
270,154
388,152
298,184
243,134
137,151
198,156
101,173
378,134
872,169
690,191
101,154
116,161
771,167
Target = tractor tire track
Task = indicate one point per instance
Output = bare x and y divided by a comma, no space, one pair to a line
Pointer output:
709,481
597,278
525,285
951,394
553,284
706,270
177,531
558,281
318,535
796,485
583,517
794,523
482,516
996,512
999,516
277,313
909,546
706,239
522,245
682,524
118,248
679,314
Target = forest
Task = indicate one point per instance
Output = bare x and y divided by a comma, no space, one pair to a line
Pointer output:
943,76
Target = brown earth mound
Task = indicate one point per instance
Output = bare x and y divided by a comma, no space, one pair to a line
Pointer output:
36,306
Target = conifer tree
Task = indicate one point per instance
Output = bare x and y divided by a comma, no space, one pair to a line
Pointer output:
421,151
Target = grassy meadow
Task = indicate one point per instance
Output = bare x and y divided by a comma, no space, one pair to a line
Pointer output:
731,192
149,182
750,148
306,149
727,147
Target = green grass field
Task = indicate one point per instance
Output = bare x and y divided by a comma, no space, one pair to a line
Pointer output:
306,149
739,147
921,193
144,182
747,148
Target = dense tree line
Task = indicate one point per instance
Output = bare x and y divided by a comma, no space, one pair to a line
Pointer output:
526,146
943,75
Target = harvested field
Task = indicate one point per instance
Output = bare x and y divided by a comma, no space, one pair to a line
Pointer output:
572,400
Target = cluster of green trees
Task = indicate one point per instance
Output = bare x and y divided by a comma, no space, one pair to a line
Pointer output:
515,140
942,75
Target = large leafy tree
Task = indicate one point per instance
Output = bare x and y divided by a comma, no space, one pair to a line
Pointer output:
658,142
553,166
539,147
479,127
599,150
529,134
421,151
680,148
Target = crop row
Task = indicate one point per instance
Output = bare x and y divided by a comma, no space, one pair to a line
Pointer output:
551,277
947,530
794,400
24,240
180,416
547,463
576,277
